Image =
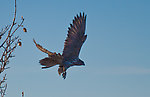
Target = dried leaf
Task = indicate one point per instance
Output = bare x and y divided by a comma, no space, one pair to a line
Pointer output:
24,29
19,44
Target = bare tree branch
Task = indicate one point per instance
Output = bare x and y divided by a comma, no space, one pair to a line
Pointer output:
8,44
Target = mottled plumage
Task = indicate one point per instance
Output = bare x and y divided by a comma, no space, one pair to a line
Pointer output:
72,46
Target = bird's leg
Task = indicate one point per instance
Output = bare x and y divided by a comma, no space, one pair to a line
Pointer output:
60,70
64,74
64,70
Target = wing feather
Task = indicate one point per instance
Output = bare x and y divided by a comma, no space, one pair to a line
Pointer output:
42,49
75,37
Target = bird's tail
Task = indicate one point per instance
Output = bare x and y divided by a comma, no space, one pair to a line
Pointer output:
47,62
51,60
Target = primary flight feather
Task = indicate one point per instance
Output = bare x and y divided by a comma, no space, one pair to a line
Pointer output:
72,46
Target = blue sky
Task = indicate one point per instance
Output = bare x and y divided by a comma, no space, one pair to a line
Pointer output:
116,53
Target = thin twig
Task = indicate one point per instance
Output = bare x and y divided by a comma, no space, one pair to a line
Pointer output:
8,46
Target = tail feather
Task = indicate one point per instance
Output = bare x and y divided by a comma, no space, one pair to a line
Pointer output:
47,62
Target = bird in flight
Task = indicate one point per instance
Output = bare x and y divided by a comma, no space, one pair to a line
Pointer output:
70,57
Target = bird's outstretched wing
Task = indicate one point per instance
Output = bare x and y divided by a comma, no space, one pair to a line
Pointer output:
42,49
75,37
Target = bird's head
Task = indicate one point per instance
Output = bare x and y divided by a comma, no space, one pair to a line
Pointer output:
79,62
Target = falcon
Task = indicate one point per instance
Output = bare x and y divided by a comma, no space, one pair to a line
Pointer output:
70,57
